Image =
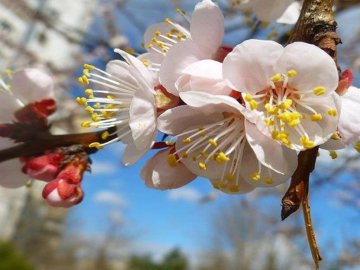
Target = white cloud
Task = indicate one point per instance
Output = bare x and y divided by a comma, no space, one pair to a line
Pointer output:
185,194
102,167
110,198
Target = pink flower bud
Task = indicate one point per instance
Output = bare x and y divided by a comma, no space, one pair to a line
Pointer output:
44,167
60,193
36,112
345,81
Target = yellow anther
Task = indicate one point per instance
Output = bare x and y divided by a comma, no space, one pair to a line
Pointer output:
332,112
110,97
333,154
202,166
286,104
84,80
357,146
89,109
8,72
230,177
276,78
268,181
221,158
81,101
212,142
269,122
186,140
234,188
316,117
319,90
129,50
185,155
86,72
180,11
95,117
157,33
172,161
96,145
169,143
204,154
248,97
291,73
168,20
105,135
89,92
255,176
271,109
97,105
306,142
253,105
146,62
150,46
216,184
335,136
86,124
89,67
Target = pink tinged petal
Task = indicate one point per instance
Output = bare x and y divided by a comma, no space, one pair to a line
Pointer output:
269,10
133,154
251,64
332,144
31,85
314,67
291,14
177,59
177,120
269,152
212,103
207,26
11,175
8,105
349,123
120,69
157,173
204,76
142,119
138,69
252,166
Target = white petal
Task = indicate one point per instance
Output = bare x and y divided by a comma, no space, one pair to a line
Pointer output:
120,69
249,67
269,152
8,105
252,165
269,10
207,26
142,119
138,69
349,123
314,67
177,59
204,76
291,14
11,175
177,120
158,174
31,85
132,154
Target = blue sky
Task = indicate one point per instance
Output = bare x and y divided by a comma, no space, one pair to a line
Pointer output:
166,218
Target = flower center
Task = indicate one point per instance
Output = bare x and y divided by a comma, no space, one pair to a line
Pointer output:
285,109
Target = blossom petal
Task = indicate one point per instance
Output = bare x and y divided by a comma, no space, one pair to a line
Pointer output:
314,67
267,177
291,14
269,152
157,173
207,26
120,69
8,105
31,85
203,76
142,119
249,67
133,154
11,175
269,10
177,59
349,124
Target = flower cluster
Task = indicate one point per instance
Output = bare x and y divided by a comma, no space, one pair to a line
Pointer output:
236,116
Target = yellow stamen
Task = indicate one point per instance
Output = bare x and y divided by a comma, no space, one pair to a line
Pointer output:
306,142
276,78
332,112
319,90
333,154
186,140
268,181
291,73
221,158
212,142
202,166
105,135
255,176
357,146
89,67
172,161
96,145
316,117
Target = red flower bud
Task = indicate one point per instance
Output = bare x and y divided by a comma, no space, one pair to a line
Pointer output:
36,112
345,81
44,167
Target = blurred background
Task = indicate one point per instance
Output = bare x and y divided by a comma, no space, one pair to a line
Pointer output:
121,224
